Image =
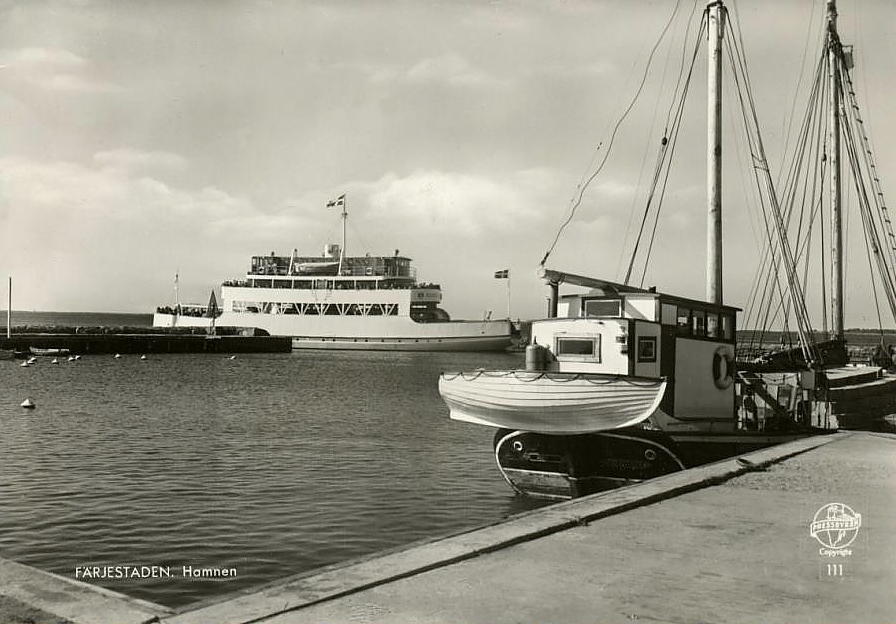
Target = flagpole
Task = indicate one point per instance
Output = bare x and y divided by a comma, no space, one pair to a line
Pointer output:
342,249
508,294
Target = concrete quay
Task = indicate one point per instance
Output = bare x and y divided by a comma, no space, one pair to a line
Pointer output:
727,542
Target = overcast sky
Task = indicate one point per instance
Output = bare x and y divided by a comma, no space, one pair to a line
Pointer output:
141,139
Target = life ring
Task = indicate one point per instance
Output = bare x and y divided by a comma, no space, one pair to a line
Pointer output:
721,375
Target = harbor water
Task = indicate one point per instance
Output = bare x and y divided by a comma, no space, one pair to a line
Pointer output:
266,464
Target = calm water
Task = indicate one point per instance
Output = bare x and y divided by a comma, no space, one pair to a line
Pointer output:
272,464
21,318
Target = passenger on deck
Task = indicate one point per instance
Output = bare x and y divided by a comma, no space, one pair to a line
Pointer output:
879,357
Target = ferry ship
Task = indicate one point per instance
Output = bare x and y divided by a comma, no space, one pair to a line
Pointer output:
335,301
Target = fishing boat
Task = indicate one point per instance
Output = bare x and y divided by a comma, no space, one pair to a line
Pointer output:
625,383
335,301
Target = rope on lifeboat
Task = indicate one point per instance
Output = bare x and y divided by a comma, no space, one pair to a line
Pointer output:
527,377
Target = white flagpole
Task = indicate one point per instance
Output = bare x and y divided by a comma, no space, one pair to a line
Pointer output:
508,294
344,198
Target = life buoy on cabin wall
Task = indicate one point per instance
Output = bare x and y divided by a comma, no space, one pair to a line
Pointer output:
722,367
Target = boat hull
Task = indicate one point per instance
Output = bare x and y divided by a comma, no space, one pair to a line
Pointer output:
549,402
563,467
362,333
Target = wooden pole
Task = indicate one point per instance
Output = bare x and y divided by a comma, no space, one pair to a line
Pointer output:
716,26
834,167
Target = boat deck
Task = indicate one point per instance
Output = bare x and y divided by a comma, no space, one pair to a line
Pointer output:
842,376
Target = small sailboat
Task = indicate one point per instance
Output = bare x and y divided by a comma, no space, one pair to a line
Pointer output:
625,383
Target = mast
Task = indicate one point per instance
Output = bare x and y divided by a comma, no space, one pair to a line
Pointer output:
9,311
834,167
715,29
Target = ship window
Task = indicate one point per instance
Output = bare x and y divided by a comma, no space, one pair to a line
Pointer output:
603,307
699,323
727,326
579,347
683,321
647,349
712,325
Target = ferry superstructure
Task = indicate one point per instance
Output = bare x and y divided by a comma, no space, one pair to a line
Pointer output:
334,301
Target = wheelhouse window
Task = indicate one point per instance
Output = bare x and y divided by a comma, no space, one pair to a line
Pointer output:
712,325
578,347
698,323
603,307
683,321
646,349
727,326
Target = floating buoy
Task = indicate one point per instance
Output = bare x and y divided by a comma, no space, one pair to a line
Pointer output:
77,357
117,355
232,357
26,363
71,358
55,361
143,357
32,360
28,404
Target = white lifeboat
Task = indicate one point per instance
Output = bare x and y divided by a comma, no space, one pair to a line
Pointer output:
550,402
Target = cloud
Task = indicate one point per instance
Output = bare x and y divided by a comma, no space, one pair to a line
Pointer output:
44,58
54,69
128,159
463,204
449,69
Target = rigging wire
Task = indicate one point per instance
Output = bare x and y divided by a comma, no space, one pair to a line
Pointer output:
664,157
583,187
628,227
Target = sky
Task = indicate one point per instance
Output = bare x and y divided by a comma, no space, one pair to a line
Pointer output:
147,139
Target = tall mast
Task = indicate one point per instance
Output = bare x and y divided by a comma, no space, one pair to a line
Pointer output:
834,166
9,311
715,29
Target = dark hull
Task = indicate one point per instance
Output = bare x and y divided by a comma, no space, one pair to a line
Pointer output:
562,467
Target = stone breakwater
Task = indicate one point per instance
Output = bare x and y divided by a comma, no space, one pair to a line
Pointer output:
104,340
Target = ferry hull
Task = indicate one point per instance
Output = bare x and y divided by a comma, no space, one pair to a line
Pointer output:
450,343
358,333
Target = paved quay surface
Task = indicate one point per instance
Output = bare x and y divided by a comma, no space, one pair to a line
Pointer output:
728,542
738,550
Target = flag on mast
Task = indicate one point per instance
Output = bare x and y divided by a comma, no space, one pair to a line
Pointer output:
339,202
504,274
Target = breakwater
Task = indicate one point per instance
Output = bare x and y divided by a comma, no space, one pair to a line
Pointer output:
104,340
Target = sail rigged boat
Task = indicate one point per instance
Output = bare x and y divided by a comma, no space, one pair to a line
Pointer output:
707,403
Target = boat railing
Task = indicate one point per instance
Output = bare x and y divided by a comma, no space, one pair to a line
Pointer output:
187,309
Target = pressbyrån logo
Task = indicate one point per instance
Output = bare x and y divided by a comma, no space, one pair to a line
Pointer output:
835,526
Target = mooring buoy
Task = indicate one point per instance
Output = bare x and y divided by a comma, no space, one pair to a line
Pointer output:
28,404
